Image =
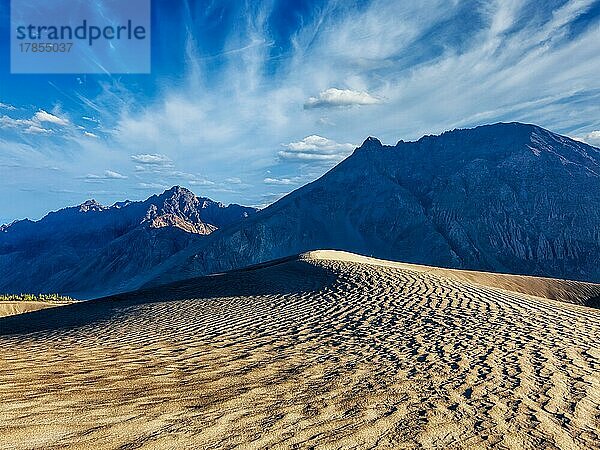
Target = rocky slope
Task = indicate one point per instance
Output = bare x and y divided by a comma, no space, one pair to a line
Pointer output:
92,249
508,197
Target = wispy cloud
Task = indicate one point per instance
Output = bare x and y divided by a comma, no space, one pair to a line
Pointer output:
111,174
106,175
201,182
152,186
35,129
152,159
280,181
7,106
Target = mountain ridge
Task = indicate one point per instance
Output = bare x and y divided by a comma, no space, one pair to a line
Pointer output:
77,248
507,197
496,197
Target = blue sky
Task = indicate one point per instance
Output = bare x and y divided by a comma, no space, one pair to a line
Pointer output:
249,100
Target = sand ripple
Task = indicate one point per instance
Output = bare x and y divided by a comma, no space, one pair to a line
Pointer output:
307,353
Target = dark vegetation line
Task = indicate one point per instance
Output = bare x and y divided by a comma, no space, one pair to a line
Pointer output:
52,298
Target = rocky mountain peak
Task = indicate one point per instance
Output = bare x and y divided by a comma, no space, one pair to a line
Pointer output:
91,205
72,251
371,143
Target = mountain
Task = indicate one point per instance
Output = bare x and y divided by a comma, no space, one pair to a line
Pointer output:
91,249
508,197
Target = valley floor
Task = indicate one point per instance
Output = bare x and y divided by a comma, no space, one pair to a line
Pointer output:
327,350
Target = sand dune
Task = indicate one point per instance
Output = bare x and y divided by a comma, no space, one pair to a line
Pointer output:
327,350
10,308
577,292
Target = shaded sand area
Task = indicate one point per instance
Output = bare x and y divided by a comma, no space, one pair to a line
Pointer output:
327,350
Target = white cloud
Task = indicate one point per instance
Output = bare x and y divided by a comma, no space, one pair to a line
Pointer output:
152,186
333,97
91,135
315,148
106,175
592,138
9,122
35,129
154,159
7,106
34,125
114,175
201,182
279,181
42,116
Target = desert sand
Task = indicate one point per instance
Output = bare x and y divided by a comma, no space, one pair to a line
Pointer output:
326,350
10,308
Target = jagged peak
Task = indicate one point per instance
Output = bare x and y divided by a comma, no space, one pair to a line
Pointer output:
91,205
122,204
175,193
177,190
370,143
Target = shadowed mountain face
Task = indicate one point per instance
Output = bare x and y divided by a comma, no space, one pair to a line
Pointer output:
92,249
506,197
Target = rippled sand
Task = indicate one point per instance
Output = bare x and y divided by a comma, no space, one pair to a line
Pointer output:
327,350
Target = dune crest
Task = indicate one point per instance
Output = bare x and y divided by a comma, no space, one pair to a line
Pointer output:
323,350
568,291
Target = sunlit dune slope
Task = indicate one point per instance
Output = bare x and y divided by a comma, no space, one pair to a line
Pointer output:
10,308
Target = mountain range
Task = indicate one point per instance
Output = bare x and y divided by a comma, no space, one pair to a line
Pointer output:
508,197
91,249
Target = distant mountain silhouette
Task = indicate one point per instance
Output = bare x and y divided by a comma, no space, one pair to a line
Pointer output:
93,249
508,197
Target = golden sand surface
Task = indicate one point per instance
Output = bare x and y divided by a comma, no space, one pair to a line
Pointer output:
327,350
10,308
